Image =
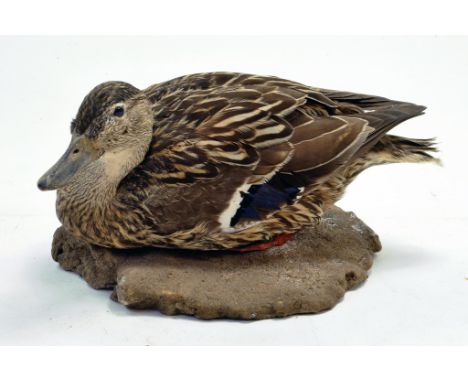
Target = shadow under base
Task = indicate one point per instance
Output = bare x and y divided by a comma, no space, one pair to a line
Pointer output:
308,274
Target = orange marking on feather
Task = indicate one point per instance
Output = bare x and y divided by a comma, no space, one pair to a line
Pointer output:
277,241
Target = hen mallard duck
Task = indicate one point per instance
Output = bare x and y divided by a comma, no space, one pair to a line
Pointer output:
219,160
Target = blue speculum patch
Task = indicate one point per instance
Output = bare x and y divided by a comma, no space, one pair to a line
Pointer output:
264,198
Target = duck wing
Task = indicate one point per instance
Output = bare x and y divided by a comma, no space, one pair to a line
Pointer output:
263,130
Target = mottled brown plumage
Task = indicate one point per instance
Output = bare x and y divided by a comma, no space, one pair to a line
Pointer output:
184,163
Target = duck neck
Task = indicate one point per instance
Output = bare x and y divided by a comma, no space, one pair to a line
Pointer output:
86,205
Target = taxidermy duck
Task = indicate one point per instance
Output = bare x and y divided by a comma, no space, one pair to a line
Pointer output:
219,160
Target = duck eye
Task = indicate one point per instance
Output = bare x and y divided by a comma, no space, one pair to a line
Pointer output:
118,111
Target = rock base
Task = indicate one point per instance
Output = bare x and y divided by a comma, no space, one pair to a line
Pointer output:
308,274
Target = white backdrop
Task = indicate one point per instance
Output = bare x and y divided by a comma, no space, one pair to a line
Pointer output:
417,292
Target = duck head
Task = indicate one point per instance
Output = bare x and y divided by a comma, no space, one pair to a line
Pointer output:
113,129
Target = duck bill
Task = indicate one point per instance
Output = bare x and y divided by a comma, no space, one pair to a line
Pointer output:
78,154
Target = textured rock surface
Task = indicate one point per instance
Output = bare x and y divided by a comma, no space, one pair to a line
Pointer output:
308,274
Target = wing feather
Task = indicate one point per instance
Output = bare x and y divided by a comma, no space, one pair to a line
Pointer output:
267,124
